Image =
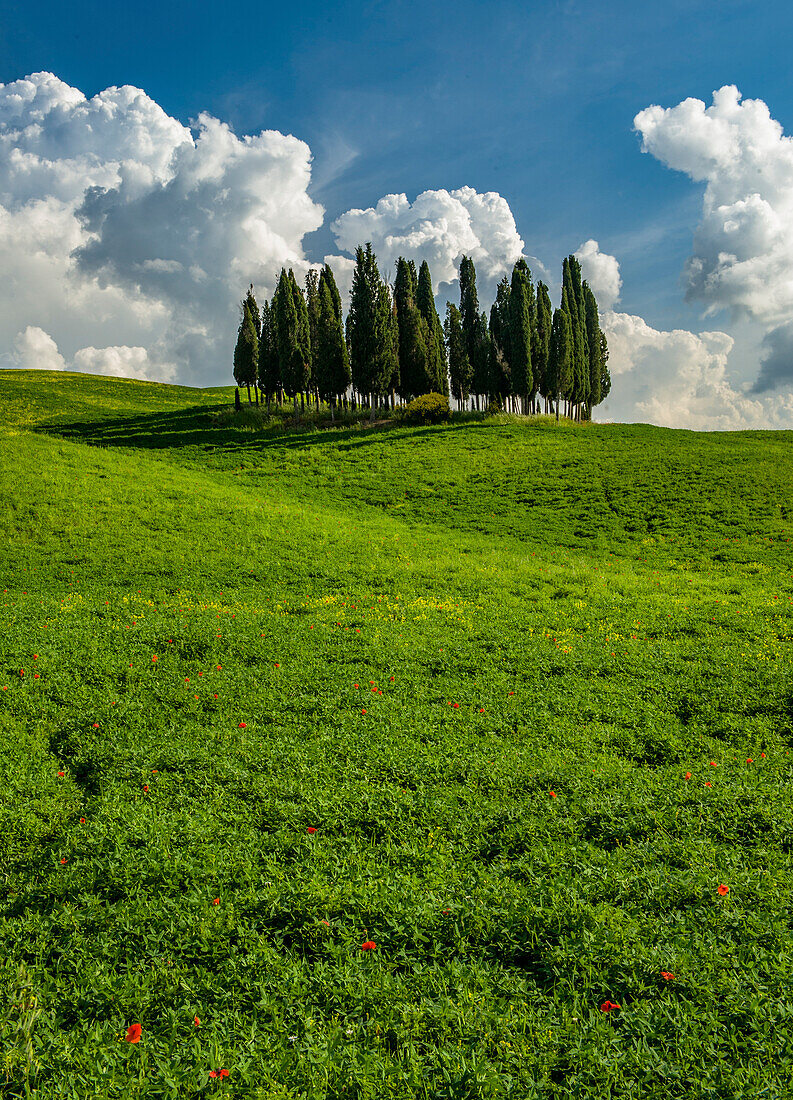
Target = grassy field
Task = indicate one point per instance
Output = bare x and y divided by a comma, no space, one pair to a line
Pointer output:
510,700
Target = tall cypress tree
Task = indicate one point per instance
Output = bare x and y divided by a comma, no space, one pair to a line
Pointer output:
605,376
300,376
412,333
285,327
520,324
269,374
560,358
312,309
331,359
372,328
250,301
477,343
436,350
499,377
542,342
459,364
594,348
246,352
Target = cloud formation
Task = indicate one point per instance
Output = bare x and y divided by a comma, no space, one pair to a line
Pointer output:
742,256
439,227
128,239
602,272
675,379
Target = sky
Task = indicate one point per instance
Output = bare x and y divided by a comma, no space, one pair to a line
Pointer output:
156,159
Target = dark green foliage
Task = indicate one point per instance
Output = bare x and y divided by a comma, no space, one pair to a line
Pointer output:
593,332
520,312
605,377
332,363
299,377
430,408
459,365
246,352
474,326
436,350
499,380
541,346
373,332
253,308
560,357
312,311
412,334
269,366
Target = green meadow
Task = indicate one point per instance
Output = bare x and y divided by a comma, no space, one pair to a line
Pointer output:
510,700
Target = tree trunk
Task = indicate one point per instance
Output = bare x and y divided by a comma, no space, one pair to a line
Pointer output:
249,393
557,407
332,403
237,405
256,391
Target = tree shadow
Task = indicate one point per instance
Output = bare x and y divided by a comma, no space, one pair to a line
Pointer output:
206,428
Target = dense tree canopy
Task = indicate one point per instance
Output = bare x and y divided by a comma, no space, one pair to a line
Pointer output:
393,342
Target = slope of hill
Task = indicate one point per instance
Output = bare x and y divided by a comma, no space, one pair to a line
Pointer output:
529,686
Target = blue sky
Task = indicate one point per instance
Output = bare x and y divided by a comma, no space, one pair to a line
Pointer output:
533,101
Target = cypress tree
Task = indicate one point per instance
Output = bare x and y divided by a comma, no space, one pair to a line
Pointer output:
476,344
594,348
459,364
269,373
436,349
499,381
312,309
605,376
520,325
560,357
373,329
542,343
412,333
332,362
299,377
254,311
285,324
246,352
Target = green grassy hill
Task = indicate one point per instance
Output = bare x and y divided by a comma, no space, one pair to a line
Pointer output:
529,685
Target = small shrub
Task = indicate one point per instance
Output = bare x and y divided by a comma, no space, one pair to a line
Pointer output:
430,408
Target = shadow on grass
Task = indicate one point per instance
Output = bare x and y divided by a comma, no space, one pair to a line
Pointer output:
211,427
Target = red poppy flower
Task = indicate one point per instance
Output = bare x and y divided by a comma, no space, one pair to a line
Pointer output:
196,1021
667,975
749,760
552,794
369,945
723,890
242,726
456,706
708,784
154,658
63,860
713,764
61,775
363,712
216,901
133,1033
355,685
224,1072
213,1073
688,775
607,1006
277,664
311,829
326,922
762,756
392,679
145,787
82,821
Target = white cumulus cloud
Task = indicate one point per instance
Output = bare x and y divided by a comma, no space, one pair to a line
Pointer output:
35,349
124,232
742,257
440,227
602,272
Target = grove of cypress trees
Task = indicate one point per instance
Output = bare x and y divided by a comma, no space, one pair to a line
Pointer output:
246,352
560,357
331,360
520,324
436,350
459,363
